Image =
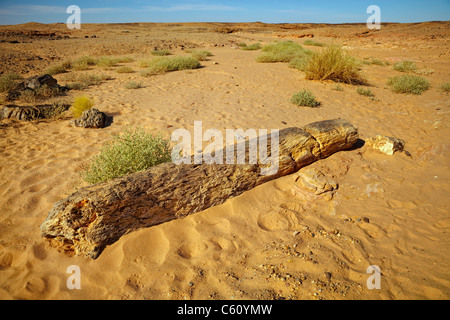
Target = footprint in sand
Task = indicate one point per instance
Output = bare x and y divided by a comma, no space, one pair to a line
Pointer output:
277,220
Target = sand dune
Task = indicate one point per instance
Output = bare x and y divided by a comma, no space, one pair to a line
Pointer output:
279,240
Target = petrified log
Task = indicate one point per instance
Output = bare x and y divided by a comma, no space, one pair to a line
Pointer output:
31,113
98,215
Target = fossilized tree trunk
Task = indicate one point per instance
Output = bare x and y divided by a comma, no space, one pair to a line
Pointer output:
96,216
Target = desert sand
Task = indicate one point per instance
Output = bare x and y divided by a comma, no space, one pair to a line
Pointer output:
275,241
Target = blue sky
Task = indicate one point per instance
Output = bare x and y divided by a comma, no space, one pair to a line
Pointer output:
294,11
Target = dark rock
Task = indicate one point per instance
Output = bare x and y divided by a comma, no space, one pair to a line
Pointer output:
92,118
30,113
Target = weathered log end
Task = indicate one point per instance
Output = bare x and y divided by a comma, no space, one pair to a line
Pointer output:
96,216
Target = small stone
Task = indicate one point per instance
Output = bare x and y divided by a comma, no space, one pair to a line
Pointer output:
387,145
328,276
365,219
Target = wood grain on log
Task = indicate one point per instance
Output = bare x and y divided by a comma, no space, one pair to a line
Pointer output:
96,216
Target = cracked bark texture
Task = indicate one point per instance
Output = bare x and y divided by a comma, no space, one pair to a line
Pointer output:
98,215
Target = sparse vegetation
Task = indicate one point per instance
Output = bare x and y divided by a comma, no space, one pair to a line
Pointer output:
201,55
365,92
83,63
408,84
405,66
304,98
333,63
124,69
311,42
282,52
81,104
253,46
107,62
373,61
338,87
60,68
7,81
82,81
163,52
162,65
42,93
445,87
133,85
54,111
133,151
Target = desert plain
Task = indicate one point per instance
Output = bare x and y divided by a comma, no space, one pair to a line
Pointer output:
279,240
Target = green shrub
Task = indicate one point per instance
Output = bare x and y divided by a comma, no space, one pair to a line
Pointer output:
304,98
130,152
405,66
311,42
253,46
408,84
334,64
281,52
163,52
81,104
373,61
162,65
7,81
201,55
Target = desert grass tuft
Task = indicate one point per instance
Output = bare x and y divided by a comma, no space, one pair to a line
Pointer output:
60,68
252,47
445,87
133,85
284,51
42,93
201,55
133,151
304,98
334,64
124,69
405,66
365,92
163,52
162,65
409,84
8,81
311,42
81,104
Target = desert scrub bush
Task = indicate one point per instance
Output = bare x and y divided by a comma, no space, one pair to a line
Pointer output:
281,52
304,98
7,81
408,84
445,87
201,55
334,64
133,85
162,65
405,66
311,42
133,151
81,104
124,69
365,92
163,52
253,46
301,61
54,111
